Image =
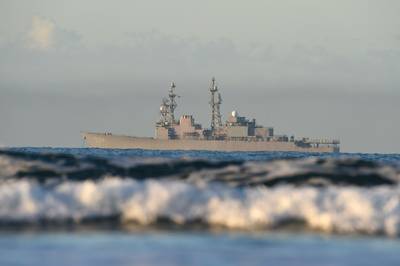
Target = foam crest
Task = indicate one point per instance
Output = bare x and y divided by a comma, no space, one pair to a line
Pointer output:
331,209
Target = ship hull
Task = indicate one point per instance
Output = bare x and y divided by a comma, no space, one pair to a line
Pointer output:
102,140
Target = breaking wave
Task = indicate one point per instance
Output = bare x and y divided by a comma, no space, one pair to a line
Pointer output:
332,194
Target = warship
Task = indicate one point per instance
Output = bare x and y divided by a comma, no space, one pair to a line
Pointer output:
237,134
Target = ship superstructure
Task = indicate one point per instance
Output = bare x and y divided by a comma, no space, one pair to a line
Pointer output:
238,133
236,127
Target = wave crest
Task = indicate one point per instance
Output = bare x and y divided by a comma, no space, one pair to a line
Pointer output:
332,209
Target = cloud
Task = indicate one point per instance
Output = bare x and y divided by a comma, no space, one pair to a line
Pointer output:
45,34
41,34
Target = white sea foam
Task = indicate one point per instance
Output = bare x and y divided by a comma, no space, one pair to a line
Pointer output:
333,209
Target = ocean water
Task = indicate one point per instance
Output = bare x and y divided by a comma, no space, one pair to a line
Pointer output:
63,206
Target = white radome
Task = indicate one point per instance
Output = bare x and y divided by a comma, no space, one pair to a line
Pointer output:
234,113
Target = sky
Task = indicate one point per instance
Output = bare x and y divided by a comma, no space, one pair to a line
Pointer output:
308,68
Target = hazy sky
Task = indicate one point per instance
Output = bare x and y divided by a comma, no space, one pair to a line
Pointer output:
309,67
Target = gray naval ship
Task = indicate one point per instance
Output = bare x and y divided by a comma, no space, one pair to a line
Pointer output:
237,134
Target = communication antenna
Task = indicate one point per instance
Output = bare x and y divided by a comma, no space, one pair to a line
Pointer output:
215,103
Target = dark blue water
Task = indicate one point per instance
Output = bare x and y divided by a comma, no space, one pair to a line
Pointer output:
46,193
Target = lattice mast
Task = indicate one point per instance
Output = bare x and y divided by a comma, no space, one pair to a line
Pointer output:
215,103
167,108
172,103
164,112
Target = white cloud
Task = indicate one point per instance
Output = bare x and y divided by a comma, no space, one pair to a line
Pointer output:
45,34
41,34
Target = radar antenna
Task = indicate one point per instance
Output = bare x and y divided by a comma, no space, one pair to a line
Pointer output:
215,103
